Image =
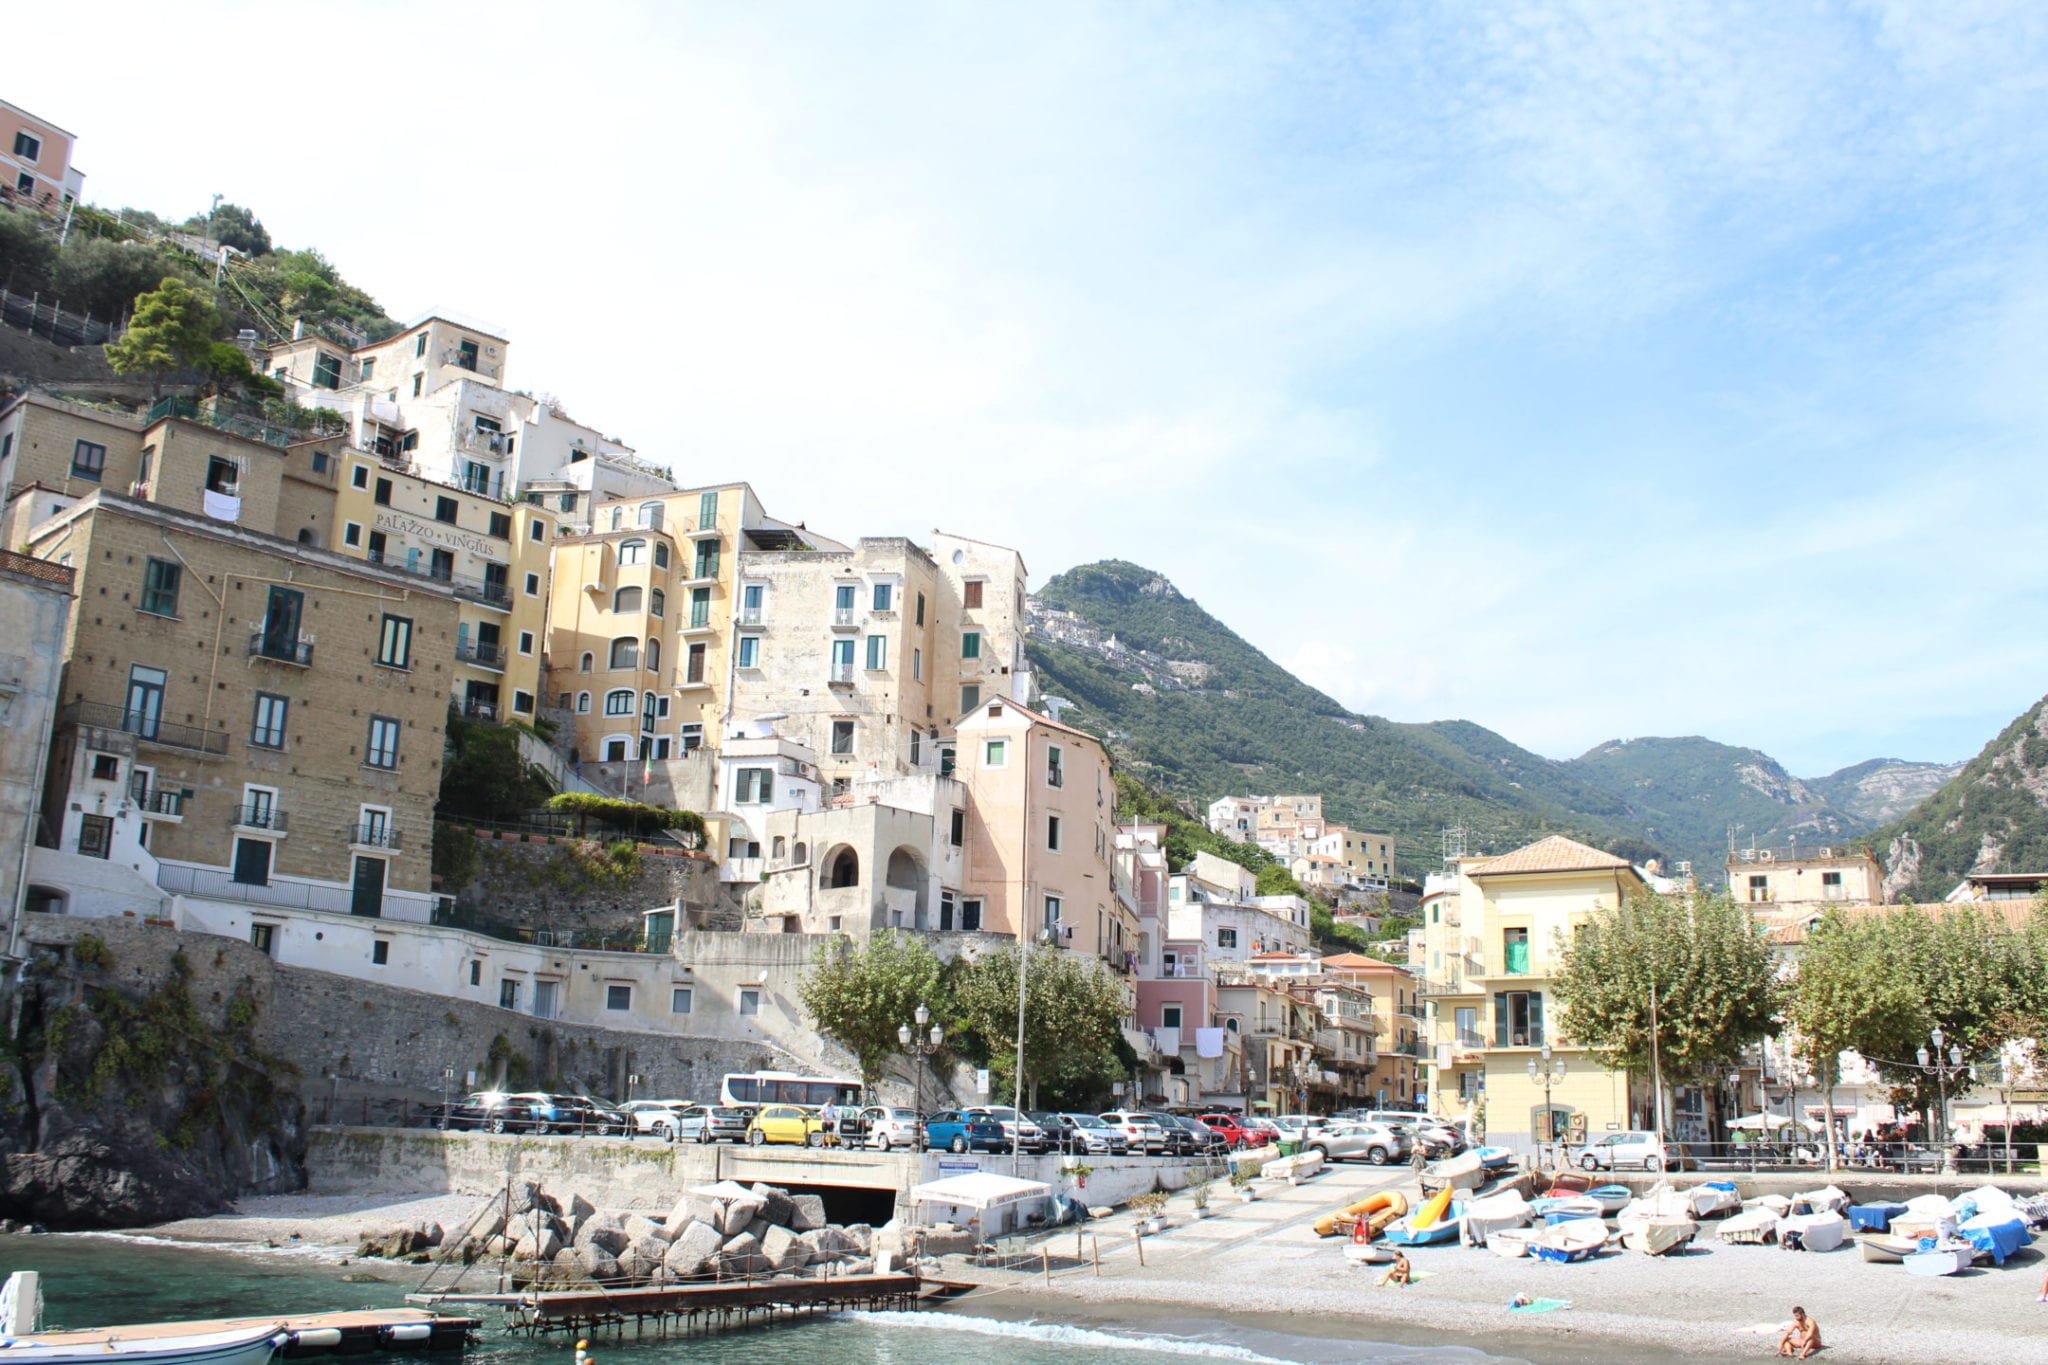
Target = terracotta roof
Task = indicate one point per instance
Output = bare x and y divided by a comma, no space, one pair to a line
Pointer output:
1554,854
28,566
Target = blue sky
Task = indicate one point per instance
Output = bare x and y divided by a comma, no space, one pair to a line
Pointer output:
1582,370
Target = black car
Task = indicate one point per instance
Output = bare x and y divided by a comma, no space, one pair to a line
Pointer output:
1202,1139
493,1113
1180,1139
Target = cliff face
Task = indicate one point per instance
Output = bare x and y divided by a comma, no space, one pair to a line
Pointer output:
1990,817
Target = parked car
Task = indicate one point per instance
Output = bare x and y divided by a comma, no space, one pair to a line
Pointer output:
1234,1130
1082,1134
1378,1143
1262,1131
1202,1139
1640,1150
713,1123
578,1114
491,1112
1297,1127
655,1116
1141,1131
882,1127
786,1123
1018,1129
956,1130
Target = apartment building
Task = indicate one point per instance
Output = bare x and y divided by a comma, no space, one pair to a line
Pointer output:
1216,902
35,161
35,605
1394,1082
1490,940
243,717
1275,1031
1795,878
1293,828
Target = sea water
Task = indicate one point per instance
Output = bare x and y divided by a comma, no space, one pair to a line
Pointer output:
98,1280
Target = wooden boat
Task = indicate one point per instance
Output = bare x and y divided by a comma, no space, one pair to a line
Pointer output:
1656,1236
1574,1240
1611,1198
1496,1213
1438,1220
1813,1231
1565,1208
1512,1243
1390,1203
1571,1182
1945,1259
1882,1248
1917,1225
1751,1227
1461,1172
147,1346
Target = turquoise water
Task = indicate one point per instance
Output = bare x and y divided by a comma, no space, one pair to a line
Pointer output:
99,1280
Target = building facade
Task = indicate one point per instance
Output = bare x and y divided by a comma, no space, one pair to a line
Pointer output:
35,161
35,607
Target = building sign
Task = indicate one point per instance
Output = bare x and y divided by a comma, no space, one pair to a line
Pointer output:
956,1166
436,533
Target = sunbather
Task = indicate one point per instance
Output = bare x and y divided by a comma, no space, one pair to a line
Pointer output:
1398,1273
1802,1338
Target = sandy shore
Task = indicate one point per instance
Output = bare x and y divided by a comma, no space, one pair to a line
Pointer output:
333,1221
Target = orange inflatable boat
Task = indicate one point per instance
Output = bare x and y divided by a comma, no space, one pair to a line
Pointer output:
1377,1209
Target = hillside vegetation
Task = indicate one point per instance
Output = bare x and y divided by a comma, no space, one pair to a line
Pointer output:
1991,817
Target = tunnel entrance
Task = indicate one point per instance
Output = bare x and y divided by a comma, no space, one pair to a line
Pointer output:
850,1203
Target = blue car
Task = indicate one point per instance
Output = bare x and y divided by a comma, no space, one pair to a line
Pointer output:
952,1131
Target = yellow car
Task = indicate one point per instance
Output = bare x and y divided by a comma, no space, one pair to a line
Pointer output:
786,1123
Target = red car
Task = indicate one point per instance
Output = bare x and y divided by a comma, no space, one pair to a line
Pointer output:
1233,1130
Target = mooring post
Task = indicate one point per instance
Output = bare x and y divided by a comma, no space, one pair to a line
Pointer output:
1138,1238
1095,1254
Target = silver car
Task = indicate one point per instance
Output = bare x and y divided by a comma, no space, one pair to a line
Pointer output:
885,1128
1018,1131
1378,1143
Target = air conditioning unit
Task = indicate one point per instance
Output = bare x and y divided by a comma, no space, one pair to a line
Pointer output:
1827,853
1767,857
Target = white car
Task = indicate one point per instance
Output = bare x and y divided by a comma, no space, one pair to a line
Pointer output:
886,1128
655,1116
1140,1131
1614,1151
1299,1127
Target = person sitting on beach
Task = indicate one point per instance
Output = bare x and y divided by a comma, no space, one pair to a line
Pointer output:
1398,1273
1802,1338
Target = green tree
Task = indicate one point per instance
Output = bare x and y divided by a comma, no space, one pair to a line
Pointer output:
105,278
232,225
27,252
1855,992
173,327
484,777
860,996
1704,962
1073,1015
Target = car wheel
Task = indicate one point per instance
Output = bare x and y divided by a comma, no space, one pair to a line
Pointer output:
755,1137
814,1140
1651,1163
1321,1151
442,1123
1589,1162
1377,1156
878,1140
959,1145
704,1135
498,1125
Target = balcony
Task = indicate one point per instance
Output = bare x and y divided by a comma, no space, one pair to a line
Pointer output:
260,820
846,618
380,838
283,649
692,683
742,870
1444,986
471,361
145,726
481,654
1055,776
841,675
168,806
485,712
751,616
488,591
701,530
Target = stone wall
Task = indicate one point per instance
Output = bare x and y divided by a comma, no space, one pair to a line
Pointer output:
541,885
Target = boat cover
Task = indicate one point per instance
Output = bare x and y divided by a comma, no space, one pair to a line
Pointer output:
1495,1213
1874,1217
1999,1236
1826,1200
1815,1231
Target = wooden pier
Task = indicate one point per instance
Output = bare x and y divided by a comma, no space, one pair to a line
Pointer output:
355,1332
711,1306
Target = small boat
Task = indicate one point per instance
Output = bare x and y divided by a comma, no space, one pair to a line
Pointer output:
1436,1222
1874,1217
1946,1259
1512,1242
1655,1236
1575,1240
1812,1231
1997,1235
1881,1248
147,1346
1570,1182
1713,1199
1825,1200
1751,1227
1917,1225
1378,1209
1611,1198
1461,1172
1368,1253
1494,1158
1565,1208
1496,1213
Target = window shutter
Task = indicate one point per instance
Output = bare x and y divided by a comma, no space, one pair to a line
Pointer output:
1535,1019
1500,1018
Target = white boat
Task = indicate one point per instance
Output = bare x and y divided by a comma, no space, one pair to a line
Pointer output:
1813,1231
1495,1214
1712,1200
1884,1249
1575,1239
1945,1259
1612,1199
146,1346
1751,1227
1461,1172
1565,1208
1661,1202
1827,1199
1513,1242
1656,1236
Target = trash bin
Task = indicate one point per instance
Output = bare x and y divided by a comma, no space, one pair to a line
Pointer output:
1290,1147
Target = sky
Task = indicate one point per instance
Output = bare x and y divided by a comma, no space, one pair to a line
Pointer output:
1586,371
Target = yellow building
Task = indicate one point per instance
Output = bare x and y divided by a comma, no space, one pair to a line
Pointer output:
1395,1007
1490,946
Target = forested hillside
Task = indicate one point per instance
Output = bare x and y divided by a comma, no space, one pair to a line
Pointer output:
1991,817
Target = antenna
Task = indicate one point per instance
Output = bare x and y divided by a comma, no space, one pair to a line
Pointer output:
1453,843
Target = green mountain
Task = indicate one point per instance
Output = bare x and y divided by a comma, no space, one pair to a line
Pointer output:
1883,789
1193,709
1990,817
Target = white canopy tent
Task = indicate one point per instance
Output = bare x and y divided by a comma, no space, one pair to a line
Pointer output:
1765,1123
980,1195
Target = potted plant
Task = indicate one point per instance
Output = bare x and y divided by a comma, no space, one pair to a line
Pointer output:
1080,1171
1151,1207
1241,1177
1198,1190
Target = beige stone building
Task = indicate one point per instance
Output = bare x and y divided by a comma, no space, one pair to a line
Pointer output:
35,605
243,717
1397,1009
1774,879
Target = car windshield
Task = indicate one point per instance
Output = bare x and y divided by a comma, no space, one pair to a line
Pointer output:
1085,1121
1000,1114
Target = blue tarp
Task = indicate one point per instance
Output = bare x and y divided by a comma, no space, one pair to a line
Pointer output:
1864,1217
2000,1239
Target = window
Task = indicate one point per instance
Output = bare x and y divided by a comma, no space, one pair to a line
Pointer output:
970,913
750,651
582,703
526,642
589,661
1052,833
750,1000
533,585
1055,772
625,652
1831,886
707,510
632,552
618,997
1759,888
657,603
660,555
700,608
263,938
88,460
752,598
970,644
970,593
266,729
466,354
970,697
885,597
508,989
326,370
995,753
28,147
380,952
160,578
95,835
1226,938
920,608
352,534
626,599
679,1000
753,786
958,835
691,736
1518,1019
1169,1016
1515,950
917,665
693,671
522,701
105,767
382,495
536,530
619,702
476,972
1052,912
878,652
369,368
394,642
842,738
444,510
707,559
381,750
501,526
416,384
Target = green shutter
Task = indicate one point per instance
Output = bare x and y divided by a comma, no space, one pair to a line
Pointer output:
1500,1018
1535,1019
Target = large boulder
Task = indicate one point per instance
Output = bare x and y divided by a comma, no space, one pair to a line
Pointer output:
524,1195
643,1259
776,1206
779,1247
860,1235
578,1207
807,1212
545,1247
637,1227
597,1264
948,1240
692,1250
606,1231
741,1255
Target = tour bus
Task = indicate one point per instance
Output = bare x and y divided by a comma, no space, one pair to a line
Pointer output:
754,1088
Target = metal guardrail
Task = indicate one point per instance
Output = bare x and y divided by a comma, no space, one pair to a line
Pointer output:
220,886
147,728
262,817
263,645
375,836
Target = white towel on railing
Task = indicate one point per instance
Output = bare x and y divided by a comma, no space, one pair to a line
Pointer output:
220,506
1208,1042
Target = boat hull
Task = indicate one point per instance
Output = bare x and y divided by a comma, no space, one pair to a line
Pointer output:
243,1347
1660,1236
1940,1261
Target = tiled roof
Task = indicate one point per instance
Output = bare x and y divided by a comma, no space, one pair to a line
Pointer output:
1554,854
28,566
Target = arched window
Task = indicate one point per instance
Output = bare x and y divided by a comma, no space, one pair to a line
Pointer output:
626,599
625,652
632,552
660,555
801,853
619,702
781,847
657,603
647,704
653,655
618,513
582,703
589,661
844,869
650,516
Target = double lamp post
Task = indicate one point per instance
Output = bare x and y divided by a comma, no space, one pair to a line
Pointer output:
920,1045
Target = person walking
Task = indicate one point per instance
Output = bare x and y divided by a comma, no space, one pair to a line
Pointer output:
828,1118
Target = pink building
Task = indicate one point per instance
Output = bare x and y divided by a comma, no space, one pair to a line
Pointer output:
35,161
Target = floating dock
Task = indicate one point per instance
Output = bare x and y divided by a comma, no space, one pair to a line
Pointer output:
699,1307
357,1332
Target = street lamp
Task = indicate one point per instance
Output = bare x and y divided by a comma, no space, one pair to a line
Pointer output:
1046,935
917,1045
1547,1068
1945,1070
